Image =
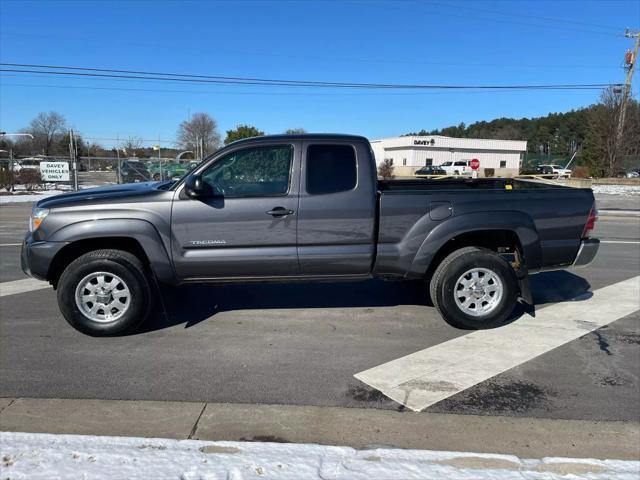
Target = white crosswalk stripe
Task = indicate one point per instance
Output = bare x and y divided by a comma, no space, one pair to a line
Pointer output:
624,242
22,286
431,375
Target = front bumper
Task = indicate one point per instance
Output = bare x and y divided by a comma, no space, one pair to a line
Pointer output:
587,252
36,256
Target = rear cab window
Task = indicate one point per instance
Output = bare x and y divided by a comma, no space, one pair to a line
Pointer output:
331,169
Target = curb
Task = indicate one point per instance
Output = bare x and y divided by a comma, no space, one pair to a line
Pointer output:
359,428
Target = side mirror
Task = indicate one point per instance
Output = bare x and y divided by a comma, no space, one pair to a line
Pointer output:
194,187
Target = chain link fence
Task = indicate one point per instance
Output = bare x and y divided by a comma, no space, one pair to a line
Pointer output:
58,173
627,164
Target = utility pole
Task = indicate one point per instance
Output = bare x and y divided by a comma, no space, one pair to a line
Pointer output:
118,177
630,62
157,147
89,155
73,154
119,165
12,176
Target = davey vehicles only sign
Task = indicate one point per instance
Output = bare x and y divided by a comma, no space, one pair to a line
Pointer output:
54,171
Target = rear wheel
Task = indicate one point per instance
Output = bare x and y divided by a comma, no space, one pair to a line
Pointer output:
474,288
105,292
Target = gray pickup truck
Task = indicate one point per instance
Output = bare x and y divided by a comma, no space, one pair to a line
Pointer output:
304,207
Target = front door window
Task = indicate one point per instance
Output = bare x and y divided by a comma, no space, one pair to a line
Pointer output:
253,172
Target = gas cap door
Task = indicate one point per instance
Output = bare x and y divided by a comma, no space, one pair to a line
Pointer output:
440,210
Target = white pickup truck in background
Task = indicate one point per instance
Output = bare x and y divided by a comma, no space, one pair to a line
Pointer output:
459,167
559,171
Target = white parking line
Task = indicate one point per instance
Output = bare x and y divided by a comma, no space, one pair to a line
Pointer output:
21,286
431,375
619,213
629,242
10,244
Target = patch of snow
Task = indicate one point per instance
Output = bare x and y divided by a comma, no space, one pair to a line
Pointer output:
85,186
29,197
35,195
43,456
626,190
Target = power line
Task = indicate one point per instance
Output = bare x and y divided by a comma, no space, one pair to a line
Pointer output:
534,17
483,16
466,7
243,93
87,72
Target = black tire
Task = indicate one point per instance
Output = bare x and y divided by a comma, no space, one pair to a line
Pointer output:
443,287
124,265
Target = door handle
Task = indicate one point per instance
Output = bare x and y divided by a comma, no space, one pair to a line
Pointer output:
279,212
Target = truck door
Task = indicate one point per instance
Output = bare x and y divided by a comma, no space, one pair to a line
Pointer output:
248,229
337,208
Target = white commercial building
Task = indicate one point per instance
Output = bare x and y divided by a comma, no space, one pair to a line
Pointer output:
500,158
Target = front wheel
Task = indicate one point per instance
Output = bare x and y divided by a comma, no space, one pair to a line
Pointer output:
104,292
474,288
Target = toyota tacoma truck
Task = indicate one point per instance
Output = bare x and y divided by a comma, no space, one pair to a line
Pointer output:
304,208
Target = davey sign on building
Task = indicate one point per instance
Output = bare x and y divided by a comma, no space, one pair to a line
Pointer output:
54,171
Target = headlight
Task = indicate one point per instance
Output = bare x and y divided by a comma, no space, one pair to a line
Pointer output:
37,216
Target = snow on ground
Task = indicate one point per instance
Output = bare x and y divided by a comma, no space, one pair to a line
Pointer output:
37,456
34,195
28,197
625,190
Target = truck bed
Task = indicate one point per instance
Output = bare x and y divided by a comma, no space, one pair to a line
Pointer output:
419,214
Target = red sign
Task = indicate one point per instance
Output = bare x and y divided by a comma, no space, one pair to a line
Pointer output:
474,164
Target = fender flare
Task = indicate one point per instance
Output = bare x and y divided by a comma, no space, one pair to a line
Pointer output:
517,222
140,230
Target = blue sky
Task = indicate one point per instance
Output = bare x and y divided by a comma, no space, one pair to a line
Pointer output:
443,41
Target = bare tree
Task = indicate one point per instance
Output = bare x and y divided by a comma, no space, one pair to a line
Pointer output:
385,169
201,127
46,129
601,151
131,146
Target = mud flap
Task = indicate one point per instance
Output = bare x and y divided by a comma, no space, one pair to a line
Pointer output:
526,296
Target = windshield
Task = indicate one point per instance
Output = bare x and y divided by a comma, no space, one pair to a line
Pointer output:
447,164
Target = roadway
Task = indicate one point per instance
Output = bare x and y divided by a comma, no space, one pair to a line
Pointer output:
302,344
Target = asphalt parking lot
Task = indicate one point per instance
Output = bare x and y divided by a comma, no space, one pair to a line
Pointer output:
254,344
